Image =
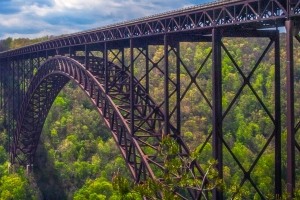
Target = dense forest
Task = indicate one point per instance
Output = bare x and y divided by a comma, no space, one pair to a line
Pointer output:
77,158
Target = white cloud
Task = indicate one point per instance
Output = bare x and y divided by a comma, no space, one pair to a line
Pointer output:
37,10
8,22
77,4
56,17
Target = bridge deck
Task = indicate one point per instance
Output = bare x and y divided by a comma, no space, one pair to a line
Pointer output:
256,14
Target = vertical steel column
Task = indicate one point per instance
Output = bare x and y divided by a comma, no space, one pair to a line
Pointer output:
11,111
147,69
23,77
5,102
31,65
123,59
3,66
147,73
16,83
166,85
178,114
70,52
278,185
38,60
17,87
147,82
217,105
105,67
290,109
86,57
1,83
132,100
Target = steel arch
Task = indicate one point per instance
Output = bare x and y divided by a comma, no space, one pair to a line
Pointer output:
138,147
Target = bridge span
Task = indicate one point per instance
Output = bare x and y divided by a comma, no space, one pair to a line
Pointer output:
32,76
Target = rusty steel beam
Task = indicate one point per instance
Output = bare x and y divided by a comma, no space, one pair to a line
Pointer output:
132,88
277,117
217,134
290,109
105,56
178,89
166,86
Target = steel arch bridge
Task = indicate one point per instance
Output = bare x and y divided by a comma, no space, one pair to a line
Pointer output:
32,76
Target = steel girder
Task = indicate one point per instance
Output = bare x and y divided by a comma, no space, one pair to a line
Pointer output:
258,14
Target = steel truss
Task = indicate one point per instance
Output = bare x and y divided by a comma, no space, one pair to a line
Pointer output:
136,121
246,13
15,76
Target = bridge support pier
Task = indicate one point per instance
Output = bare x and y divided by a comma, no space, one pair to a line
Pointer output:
166,86
289,25
217,106
1,83
220,114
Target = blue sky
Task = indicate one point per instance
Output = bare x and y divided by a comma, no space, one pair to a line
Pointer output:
38,18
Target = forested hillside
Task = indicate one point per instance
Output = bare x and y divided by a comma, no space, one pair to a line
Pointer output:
10,43
77,157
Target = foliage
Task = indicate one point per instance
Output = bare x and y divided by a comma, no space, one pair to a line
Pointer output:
10,43
16,185
5,44
177,176
99,188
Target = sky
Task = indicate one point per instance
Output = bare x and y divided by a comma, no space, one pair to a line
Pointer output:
38,18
